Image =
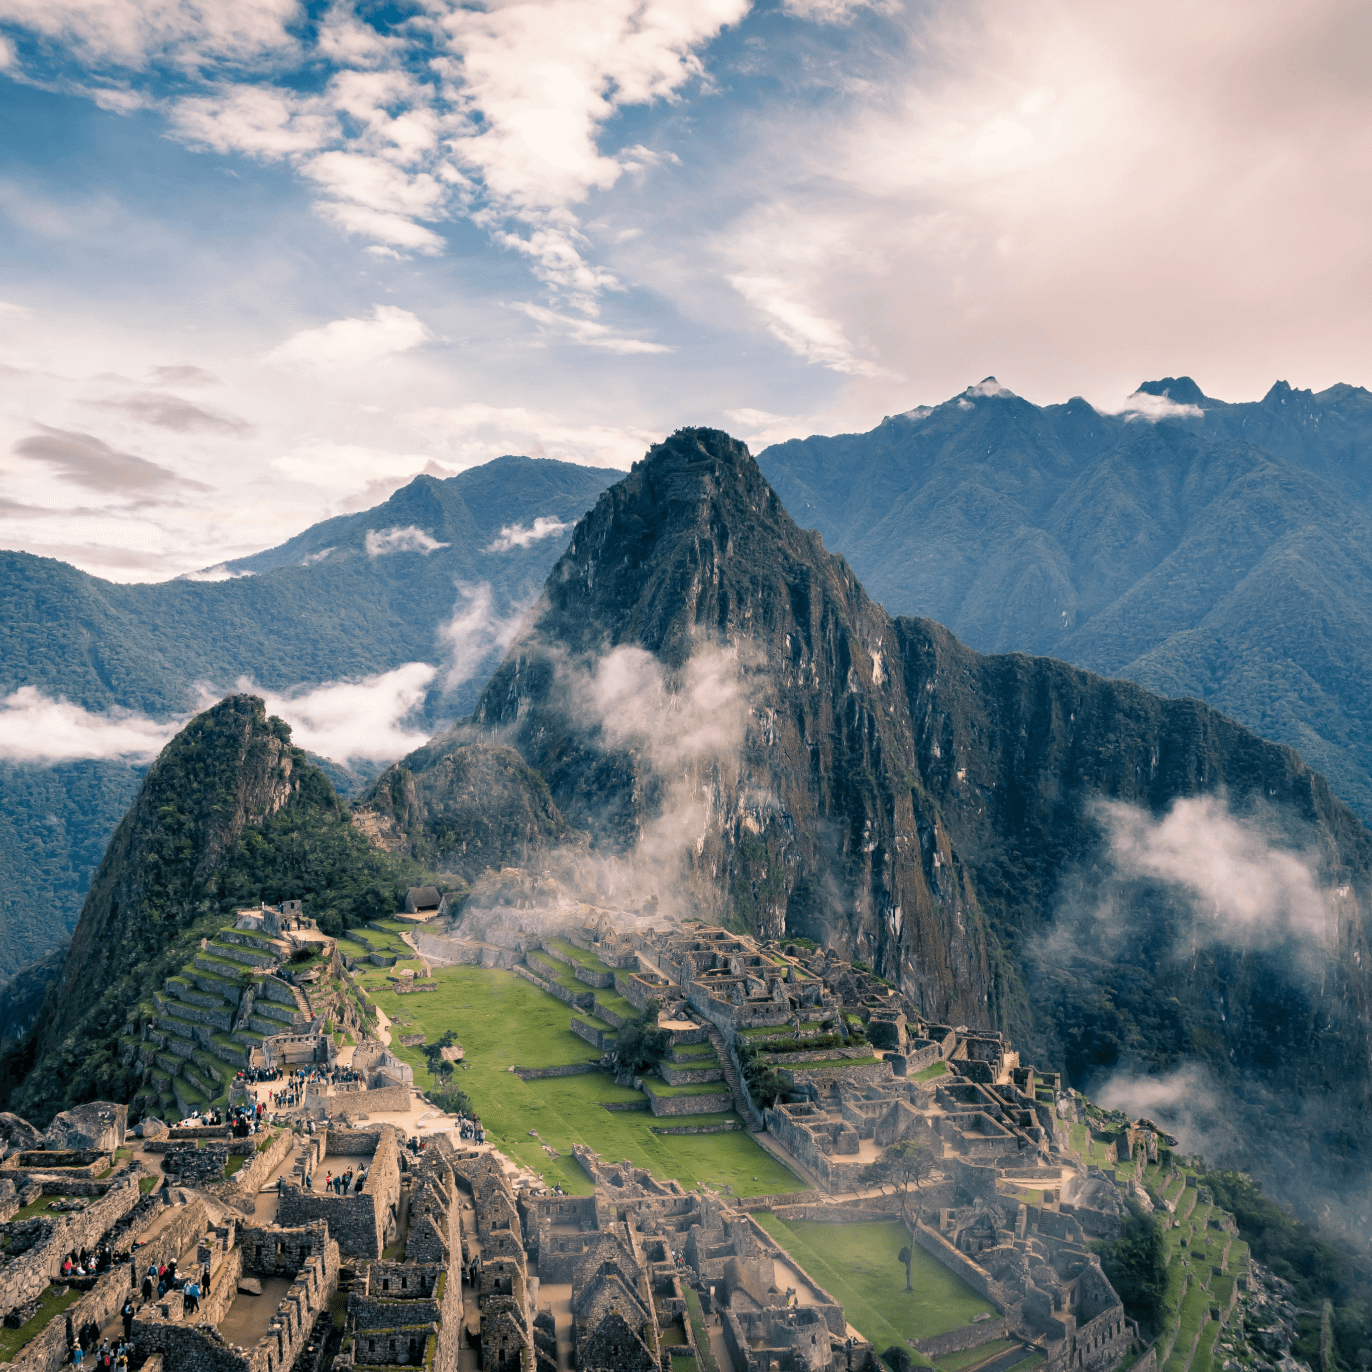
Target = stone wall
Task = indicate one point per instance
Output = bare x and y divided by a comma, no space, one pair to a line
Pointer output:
714,1103
395,1100
595,1037
567,1069
362,1223
170,1242
197,1167
727,1127
969,1336
241,1189
50,1349
977,1277
26,1276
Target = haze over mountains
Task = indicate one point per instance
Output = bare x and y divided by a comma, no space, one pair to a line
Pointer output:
1198,548
706,714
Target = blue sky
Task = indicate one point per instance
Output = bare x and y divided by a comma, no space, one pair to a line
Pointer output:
264,262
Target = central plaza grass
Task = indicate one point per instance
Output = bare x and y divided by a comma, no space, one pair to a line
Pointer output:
859,1265
504,1021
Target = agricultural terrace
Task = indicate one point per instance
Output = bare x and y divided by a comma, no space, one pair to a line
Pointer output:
859,1264
504,1021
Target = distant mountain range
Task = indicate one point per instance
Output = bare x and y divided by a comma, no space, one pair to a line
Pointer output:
350,597
1196,547
706,715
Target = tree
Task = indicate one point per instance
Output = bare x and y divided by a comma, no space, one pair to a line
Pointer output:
765,1083
903,1164
640,1044
433,1055
1136,1264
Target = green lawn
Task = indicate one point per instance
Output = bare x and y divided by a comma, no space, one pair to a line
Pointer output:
49,1306
858,1264
930,1073
503,1021
705,1088
695,1050
969,1357
580,956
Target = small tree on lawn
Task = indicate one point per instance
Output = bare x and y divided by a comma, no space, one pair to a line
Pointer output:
434,1056
903,1164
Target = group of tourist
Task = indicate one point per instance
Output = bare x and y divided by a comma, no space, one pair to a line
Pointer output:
106,1357
164,1278
344,1182
470,1129
254,1076
293,1093
81,1262
246,1119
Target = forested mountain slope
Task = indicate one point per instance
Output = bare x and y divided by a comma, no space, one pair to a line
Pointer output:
320,608
1220,552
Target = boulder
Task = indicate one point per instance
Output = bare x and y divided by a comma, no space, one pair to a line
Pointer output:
150,1128
250,1286
18,1133
100,1125
452,1054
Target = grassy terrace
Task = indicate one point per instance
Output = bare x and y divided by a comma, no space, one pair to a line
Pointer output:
760,1033
50,1305
858,1265
580,956
505,1021
706,1088
694,1050
931,1073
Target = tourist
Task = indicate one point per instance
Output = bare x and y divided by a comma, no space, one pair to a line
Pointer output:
77,1356
191,1297
127,1315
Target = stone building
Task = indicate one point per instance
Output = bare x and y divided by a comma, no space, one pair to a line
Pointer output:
362,1222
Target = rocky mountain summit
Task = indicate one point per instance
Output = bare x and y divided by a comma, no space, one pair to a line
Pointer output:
715,703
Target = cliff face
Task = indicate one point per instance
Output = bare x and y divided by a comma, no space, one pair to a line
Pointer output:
702,683
230,768
464,806
1022,754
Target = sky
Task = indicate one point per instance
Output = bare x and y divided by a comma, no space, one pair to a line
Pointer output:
264,262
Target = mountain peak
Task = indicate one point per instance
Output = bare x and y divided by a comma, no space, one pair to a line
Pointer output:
1181,390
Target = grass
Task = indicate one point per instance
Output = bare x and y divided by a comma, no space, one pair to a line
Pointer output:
234,1163
970,1357
777,1031
930,1073
694,1050
858,1265
146,1184
503,1020
702,1337
580,956
49,1306
40,1207
705,1088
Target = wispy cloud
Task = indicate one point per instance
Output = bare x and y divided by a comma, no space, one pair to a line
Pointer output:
587,331
220,572
517,536
410,539
174,413
91,462
353,342
475,633
38,729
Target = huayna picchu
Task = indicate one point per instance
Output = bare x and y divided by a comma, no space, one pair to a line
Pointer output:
720,995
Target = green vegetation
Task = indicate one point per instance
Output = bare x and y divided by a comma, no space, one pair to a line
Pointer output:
164,906
705,1088
704,1352
502,1021
640,1044
1136,1264
234,1164
934,1070
859,1264
50,1305
969,1357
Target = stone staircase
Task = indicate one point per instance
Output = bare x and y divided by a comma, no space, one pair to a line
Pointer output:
205,1024
743,1102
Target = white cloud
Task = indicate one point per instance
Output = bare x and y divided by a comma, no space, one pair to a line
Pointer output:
477,432
132,34
799,327
353,342
311,558
261,121
1245,887
219,572
36,728
517,536
410,539
835,11
1144,405
587,331
474,633
365,718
